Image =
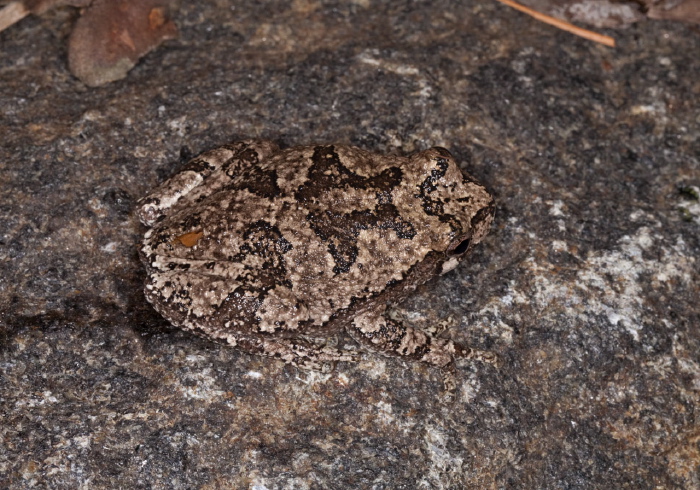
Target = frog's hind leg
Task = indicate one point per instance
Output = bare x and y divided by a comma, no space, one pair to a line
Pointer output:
202,176
297,352
392,338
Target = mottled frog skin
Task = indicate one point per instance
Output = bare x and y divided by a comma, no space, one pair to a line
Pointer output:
265,249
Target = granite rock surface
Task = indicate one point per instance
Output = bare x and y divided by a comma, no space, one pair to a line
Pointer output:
587,286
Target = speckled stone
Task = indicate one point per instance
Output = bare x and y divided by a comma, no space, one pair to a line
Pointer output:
587,285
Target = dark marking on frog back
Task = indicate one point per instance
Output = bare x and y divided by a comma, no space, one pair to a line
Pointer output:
341,230
243,169
327,172
240,307
336,226
265,241
435,206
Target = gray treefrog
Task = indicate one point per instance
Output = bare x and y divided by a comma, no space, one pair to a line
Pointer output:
265,249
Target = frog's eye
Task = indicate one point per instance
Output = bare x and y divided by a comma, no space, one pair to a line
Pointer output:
461,247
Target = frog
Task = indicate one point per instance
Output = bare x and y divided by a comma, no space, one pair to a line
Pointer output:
277,251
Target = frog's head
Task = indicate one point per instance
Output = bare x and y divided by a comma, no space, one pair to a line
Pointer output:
457,200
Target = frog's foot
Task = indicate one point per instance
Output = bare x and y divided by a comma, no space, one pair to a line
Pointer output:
392,338
470,354
437,328
395,339
298,352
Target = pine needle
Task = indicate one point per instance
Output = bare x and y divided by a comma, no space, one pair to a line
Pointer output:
565,26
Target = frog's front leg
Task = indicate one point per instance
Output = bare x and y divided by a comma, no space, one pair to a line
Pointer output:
297,352
395,339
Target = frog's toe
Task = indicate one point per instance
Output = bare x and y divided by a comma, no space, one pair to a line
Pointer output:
484,356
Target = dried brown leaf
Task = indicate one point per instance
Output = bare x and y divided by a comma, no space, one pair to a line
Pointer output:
113,35
685,11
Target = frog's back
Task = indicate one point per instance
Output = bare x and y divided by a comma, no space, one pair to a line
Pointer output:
304,234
